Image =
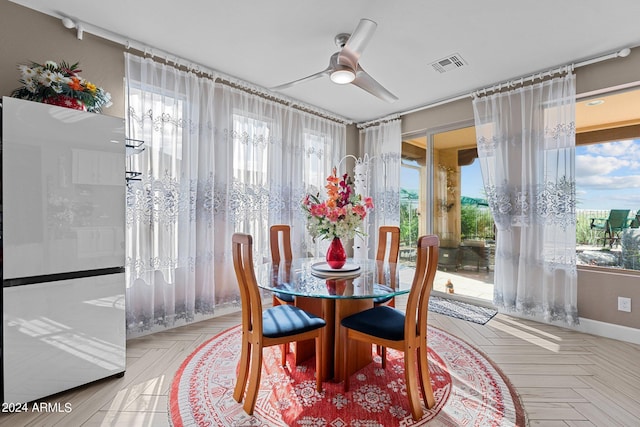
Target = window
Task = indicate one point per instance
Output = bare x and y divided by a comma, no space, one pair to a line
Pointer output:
315,145
409,209
608,204
161,130
252,139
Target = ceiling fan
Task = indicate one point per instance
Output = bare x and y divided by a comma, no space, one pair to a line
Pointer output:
344,67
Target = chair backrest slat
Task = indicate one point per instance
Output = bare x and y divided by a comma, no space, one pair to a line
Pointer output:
278,252
418,301
388,237
618,218
242,248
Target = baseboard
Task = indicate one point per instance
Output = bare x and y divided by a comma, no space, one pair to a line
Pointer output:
608,330
590,326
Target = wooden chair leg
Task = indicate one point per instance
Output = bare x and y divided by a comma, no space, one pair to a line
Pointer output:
425,378
283,352
345,362
383,355
411,380
319,373
285,347
254,380
243,371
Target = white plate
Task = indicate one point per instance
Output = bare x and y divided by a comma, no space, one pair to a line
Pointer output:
325,268
335,274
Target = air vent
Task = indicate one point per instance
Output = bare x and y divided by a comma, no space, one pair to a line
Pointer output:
449,63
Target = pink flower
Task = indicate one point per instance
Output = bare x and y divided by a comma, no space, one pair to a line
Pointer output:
368,202
333,214
360,211
318,210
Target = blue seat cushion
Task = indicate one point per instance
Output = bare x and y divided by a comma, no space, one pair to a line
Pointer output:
382,322
285,320
381,300
288,298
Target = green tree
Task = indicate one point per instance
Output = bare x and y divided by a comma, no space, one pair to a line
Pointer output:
408,217
475,222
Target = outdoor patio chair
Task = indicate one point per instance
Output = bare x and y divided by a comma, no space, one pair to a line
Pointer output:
635,223
612,226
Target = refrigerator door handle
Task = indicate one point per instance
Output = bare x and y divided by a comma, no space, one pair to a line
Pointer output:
21,281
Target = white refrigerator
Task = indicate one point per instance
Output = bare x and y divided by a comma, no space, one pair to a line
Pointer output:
63,219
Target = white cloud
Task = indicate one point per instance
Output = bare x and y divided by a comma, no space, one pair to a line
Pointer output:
588,165
609,182
628,149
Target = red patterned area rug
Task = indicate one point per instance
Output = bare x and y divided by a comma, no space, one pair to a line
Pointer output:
469,390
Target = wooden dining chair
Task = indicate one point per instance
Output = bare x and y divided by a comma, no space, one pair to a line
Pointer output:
389,245
387,251
280,253
264,328
390,328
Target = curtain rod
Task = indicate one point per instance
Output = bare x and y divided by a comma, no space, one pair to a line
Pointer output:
82,27
617,54
378,121
522,80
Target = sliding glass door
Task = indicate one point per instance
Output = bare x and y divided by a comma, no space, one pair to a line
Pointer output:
441,193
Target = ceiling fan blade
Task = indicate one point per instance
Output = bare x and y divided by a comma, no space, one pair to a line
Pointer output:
350,53
364,81
322,73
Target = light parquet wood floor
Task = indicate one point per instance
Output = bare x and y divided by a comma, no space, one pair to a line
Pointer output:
564,378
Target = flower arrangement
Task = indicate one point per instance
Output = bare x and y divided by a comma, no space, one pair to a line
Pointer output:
341,214
60,84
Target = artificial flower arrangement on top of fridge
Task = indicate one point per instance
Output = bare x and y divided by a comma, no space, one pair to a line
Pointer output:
59,84
338,217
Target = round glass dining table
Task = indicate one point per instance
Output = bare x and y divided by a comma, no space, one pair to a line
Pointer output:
333,295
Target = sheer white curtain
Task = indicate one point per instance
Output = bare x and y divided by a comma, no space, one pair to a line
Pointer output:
526,148
168,252
320,144
271,157
216,160
381,146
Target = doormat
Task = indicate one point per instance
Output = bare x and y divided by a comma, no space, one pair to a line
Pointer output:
461,310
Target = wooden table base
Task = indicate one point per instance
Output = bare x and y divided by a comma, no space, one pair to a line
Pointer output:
333,311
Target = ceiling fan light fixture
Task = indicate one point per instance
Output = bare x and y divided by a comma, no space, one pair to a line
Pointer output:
343,76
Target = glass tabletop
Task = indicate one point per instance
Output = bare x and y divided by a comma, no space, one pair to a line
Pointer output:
311,277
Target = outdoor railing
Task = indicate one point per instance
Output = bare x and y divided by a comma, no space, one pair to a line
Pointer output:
477,224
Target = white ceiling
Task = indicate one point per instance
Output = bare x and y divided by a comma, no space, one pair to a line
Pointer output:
268,43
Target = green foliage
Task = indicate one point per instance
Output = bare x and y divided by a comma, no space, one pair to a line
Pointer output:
408,217
408,225
476,222
583,231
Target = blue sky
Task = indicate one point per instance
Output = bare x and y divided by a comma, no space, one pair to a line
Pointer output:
607,176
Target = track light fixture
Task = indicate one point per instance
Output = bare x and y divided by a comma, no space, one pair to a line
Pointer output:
69,23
